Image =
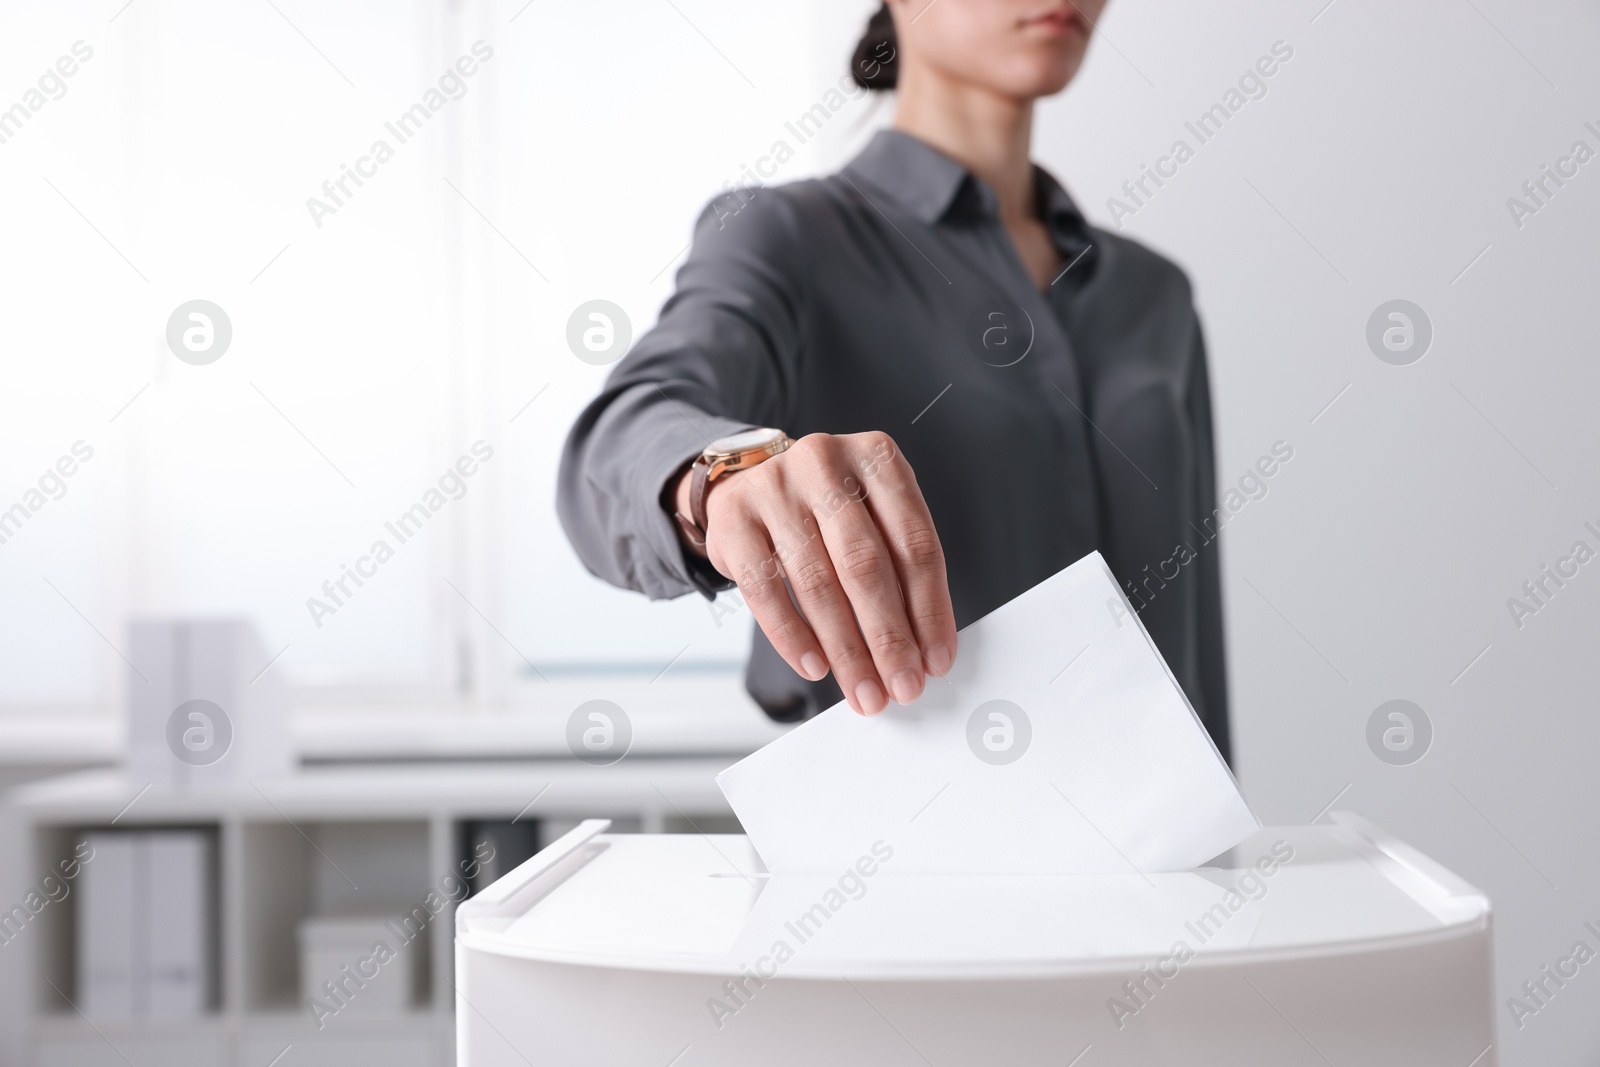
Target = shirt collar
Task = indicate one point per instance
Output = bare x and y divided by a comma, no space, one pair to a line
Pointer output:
913,173
929,184
1066,223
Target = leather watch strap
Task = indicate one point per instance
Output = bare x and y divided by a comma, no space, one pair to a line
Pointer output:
699,482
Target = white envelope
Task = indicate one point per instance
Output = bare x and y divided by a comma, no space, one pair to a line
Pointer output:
1058,744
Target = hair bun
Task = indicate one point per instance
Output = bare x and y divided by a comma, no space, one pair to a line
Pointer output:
874,64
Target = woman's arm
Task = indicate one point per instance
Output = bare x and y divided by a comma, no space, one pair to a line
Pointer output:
837,520
719,360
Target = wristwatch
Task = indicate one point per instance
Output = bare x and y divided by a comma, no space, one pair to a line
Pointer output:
736,452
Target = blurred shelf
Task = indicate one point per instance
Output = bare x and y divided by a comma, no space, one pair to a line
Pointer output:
528,789
376,839
53,738
707,715
283,1020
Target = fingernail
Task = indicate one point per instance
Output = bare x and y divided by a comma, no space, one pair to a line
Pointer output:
869,696
907,686
813,666
938,659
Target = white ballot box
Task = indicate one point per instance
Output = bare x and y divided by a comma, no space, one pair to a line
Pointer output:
1303,944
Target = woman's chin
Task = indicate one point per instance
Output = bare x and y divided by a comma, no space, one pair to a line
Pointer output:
1031,78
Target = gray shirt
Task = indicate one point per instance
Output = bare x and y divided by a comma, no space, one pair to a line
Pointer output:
1040,425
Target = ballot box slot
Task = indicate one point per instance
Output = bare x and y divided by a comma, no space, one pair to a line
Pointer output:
535,879
1444,894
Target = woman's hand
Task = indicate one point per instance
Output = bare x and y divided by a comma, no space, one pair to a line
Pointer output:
841,517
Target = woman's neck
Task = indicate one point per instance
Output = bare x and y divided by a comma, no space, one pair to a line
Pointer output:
989,134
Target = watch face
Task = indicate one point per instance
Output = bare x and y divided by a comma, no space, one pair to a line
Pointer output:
745,441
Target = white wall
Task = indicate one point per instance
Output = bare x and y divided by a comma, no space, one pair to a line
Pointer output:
1380,562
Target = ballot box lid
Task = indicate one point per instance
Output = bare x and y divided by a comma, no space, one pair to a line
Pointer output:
703,903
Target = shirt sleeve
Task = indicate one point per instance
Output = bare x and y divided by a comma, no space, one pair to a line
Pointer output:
721,358
1212,661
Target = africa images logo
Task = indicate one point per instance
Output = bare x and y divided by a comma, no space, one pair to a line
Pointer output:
998,732
1399,732
598,332
999,332
599,733
1399,332
199,733
199,332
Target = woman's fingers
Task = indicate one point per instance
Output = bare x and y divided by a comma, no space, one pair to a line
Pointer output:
743,552
792,501
868,575
814,579
841,520
896,503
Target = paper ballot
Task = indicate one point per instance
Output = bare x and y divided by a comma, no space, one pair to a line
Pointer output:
1058,744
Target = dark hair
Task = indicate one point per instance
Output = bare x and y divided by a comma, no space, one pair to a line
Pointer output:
874,64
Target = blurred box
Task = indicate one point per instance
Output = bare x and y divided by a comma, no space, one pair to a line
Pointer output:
146,935
353,966
109,930
180,909
202,708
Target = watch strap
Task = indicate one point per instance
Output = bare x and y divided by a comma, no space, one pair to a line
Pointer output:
699,482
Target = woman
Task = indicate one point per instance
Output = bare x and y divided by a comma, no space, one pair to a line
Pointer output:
980,389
